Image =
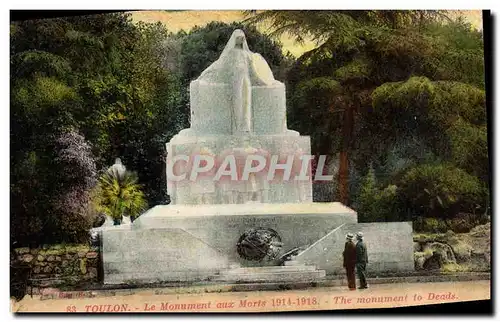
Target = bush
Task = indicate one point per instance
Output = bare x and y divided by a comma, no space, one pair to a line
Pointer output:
51,191
379,205
324,191
442,191
462,223
455,268
430,225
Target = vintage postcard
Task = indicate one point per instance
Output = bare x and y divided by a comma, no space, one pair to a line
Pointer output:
248,161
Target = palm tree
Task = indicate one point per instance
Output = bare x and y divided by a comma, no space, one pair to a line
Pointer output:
119,194
321,25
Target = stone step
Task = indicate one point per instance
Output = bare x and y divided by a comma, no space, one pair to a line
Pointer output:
293,263
157,266
156,277
269,269
291,276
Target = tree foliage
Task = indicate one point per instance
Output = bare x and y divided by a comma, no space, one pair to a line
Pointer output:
414,81
442,190
379,204
323,25
103,77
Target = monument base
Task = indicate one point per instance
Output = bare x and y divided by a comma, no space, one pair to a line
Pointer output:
302,273
195,243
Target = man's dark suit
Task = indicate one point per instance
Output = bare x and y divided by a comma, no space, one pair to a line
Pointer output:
350,263
361,261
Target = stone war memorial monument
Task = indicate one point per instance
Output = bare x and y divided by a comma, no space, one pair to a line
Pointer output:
241,195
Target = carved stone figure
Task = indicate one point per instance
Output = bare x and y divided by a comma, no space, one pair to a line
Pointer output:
242,69
237,109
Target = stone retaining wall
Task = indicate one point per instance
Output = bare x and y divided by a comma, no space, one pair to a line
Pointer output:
59,264
389,244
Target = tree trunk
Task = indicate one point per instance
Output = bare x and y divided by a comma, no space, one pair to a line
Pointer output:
347,128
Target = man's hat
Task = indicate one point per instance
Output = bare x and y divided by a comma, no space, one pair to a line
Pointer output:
349,236
359,235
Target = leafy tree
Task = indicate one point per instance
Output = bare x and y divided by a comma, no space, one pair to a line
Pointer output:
151,117
450,117
77,170
357,53
101,76
449,120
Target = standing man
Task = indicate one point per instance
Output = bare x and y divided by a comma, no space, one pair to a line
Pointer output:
361,260
349,255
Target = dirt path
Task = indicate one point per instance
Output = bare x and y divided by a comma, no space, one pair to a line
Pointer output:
328,298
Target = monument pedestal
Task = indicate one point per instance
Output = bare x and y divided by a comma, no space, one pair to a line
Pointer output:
189,143
181,242
196,243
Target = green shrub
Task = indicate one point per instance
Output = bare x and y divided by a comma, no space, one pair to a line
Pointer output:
441,191
378,205
454,268
430,225
435,225
462,223
418,224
